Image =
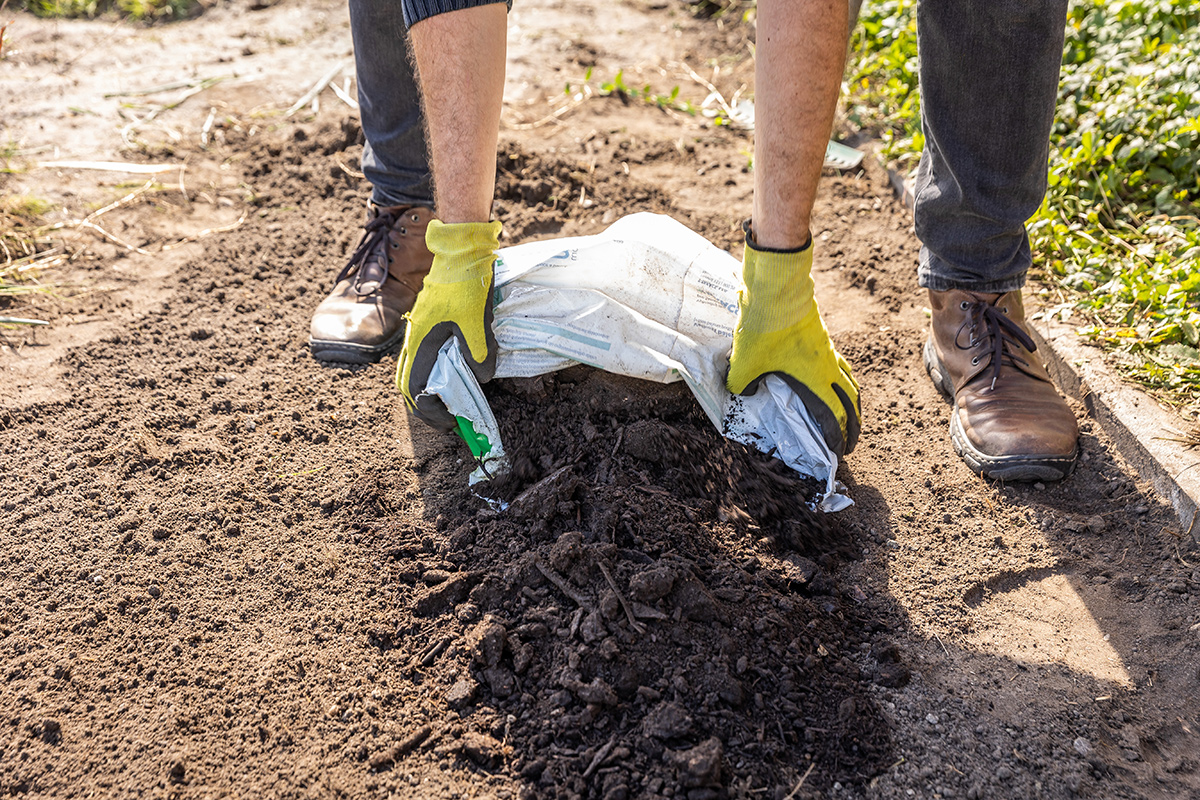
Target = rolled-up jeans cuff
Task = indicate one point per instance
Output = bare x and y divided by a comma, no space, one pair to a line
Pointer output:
417,10
383,198
934,279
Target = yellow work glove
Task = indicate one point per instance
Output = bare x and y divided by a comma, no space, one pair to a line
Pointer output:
455,301
780,332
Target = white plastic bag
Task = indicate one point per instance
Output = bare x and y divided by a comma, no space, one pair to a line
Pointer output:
647,298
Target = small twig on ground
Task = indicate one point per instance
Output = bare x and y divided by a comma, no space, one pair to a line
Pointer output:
562,585
343,94
431,653
716,95
584,94
83,223
124,201
111,166
353,173
598,759
166,87
206,232
128,130
89,222
617,445
21,321
633,623
311,95
800,784
207,126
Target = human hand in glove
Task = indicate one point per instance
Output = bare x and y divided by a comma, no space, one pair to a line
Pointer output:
455,301
779,331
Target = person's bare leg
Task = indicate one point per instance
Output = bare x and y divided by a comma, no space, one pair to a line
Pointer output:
460,67
798,71
801,49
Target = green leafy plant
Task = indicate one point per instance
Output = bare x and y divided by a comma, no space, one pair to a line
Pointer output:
142,10
618,88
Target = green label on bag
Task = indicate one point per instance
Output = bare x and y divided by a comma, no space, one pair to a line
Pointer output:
476,442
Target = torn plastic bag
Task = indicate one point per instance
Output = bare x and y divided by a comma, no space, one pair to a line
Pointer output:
647,298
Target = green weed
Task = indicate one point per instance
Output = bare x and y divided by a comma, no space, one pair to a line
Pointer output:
141,10
618,88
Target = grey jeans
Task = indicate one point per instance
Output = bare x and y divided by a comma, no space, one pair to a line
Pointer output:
394,158
989,80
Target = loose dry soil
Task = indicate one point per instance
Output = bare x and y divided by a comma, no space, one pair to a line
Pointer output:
228,571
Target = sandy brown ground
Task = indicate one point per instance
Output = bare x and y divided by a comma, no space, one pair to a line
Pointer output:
229,571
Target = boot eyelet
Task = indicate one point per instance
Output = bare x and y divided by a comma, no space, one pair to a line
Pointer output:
975,361
415,217
403,231
394,245
964,305
1005,309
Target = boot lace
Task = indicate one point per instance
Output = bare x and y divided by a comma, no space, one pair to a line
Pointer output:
1000,333
375,236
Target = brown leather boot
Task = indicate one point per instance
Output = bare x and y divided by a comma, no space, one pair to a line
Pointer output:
1009,422
363,317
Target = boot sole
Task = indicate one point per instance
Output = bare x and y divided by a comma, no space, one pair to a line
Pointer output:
328,351
1005,468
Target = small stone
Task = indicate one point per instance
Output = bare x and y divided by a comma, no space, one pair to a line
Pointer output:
592,629
667,721
700,766
1096,524
652,585
154,591
1039,486
566,551
500,681
522,656
177,772
1082,746
481,748
931,719
1004,773
597,691
486,641
461,694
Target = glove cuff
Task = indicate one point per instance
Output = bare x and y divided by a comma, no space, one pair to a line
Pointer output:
752,241
777,288
462,250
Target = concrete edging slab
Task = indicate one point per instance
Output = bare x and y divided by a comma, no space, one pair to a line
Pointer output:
1145,434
